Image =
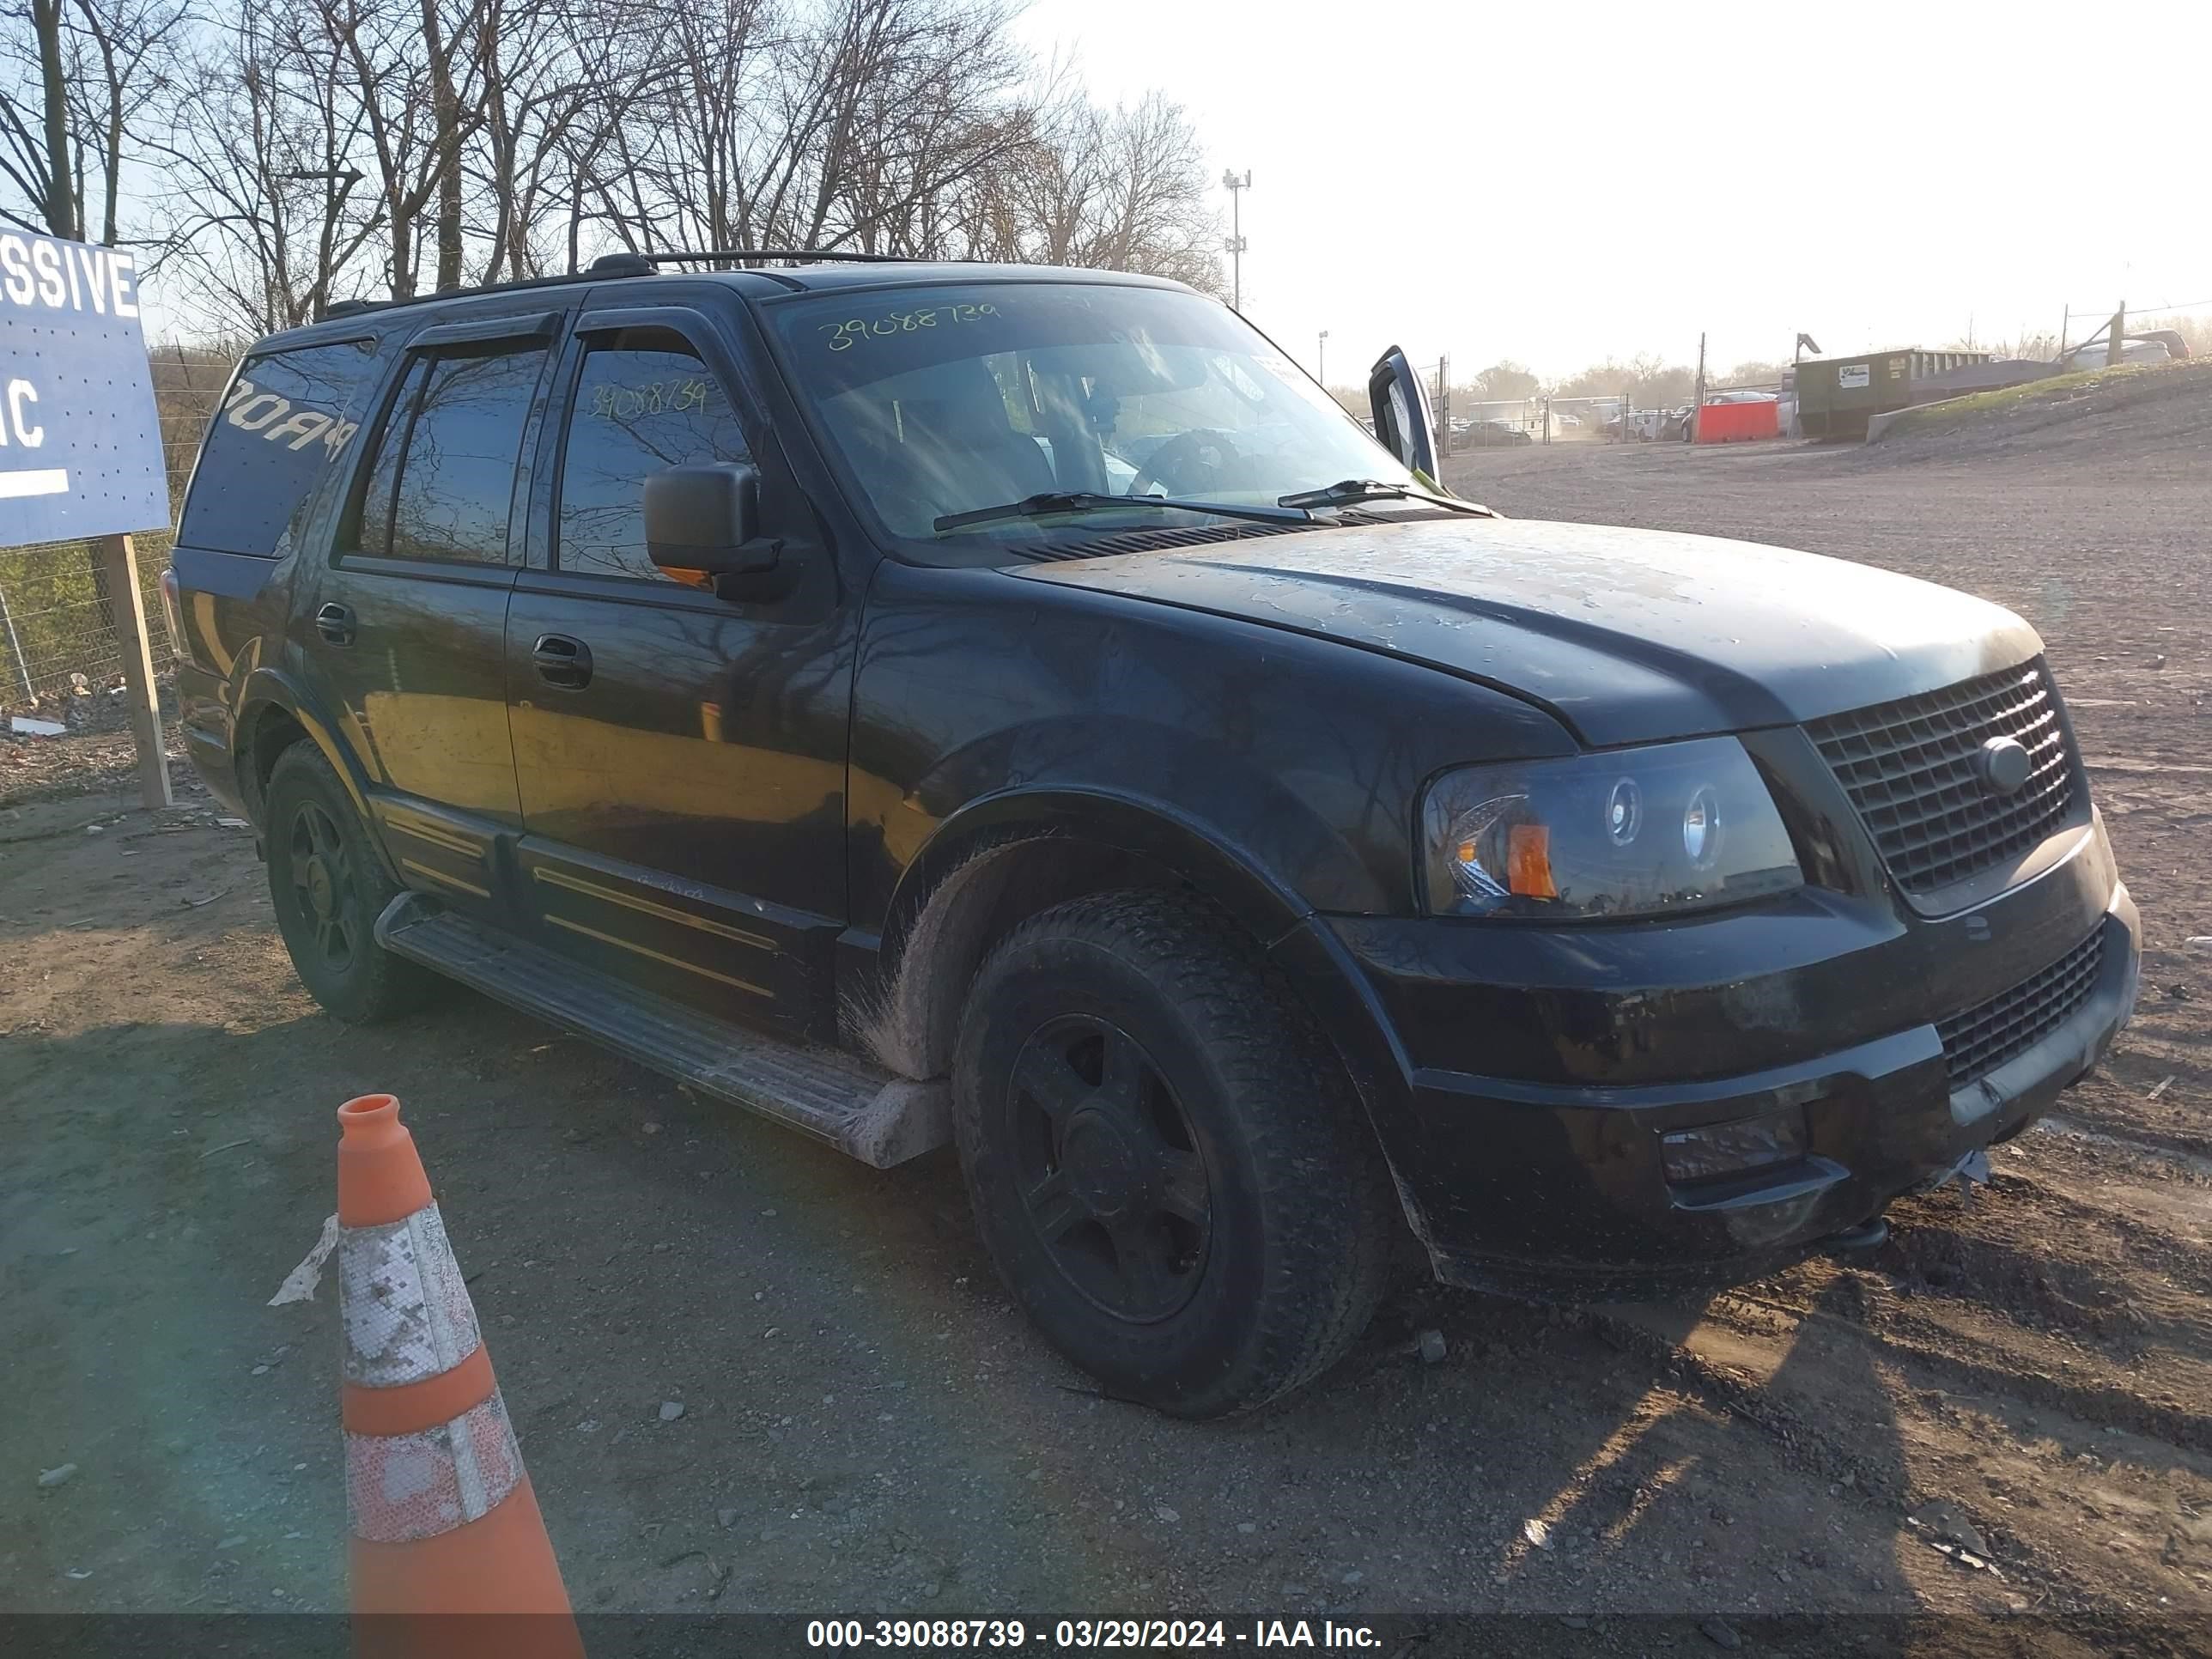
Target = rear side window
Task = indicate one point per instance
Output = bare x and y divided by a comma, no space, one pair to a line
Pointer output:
287,421
443,483
645,401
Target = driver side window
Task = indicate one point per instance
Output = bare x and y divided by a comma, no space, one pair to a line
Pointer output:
645,400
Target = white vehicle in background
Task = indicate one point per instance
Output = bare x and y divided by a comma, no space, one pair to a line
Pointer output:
1642,425
2133,352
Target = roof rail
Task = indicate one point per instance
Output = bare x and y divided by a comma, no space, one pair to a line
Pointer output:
626,263
358,307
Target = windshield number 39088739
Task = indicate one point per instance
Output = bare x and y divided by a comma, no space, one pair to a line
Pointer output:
842,335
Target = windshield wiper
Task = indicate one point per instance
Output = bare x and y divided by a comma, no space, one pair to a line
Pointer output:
1079,500
1353,491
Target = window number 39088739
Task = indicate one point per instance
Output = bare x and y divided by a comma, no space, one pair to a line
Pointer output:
845,335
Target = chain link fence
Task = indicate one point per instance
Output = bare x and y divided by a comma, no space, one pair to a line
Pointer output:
60,647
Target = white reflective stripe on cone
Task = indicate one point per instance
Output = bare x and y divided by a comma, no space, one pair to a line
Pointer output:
406,1313
405,1486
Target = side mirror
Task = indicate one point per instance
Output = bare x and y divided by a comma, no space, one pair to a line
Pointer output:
708,518
1404,423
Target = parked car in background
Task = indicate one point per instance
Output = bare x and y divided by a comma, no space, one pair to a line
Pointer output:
2135,352
1639,425
1490,434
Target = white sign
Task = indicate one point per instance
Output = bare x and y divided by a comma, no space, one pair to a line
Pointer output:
80,442
1854,377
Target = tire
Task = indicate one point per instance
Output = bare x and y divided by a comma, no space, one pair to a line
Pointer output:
328,887
1171,1172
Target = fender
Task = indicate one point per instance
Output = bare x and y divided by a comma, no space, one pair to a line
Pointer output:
1296,939
903,999
263,686
1158,831
904,1019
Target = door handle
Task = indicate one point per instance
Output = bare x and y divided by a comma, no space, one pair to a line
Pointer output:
562,661
335,623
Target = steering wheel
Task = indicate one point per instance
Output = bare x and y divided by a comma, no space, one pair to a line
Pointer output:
1185,446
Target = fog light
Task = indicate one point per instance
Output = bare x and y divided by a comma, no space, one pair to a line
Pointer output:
1723,1149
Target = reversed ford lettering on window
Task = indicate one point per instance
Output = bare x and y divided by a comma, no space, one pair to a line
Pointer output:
287,419
278,420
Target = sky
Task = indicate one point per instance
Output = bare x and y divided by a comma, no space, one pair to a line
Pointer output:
1554,183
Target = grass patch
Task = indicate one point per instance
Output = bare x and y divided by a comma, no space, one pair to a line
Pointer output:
2005,400
54,605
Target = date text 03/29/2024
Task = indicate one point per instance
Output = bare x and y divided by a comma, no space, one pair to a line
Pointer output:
1086,1633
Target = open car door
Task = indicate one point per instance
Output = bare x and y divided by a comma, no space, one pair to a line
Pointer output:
1404,423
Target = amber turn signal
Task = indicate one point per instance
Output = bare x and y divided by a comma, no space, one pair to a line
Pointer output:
1529,862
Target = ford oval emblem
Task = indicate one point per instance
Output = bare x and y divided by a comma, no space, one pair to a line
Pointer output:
2002,765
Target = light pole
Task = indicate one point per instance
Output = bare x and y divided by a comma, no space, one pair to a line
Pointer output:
1322,376
1236,186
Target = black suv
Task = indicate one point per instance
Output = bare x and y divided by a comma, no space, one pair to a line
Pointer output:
1019,709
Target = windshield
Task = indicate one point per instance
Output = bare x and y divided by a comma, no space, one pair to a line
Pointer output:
941,401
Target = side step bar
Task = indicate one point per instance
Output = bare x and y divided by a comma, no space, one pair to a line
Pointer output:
858,1108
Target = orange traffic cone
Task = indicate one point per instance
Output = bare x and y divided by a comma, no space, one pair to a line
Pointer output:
441,1515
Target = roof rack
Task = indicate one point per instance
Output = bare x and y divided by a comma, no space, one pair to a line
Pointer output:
625,264
358,307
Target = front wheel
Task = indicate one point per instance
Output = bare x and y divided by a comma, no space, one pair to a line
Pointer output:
1171,1175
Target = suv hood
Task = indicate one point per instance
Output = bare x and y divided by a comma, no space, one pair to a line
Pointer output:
1625,635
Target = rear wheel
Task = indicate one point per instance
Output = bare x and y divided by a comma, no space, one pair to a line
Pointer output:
328,888
1173,1178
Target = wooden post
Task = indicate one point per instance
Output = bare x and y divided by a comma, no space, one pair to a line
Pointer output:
2118,343
120,560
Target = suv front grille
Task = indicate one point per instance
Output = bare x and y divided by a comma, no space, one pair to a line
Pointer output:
1909,766
1978,1040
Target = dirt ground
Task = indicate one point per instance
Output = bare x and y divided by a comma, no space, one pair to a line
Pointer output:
2005,1416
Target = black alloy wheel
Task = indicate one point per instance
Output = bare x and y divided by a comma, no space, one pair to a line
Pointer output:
1170,1168
328,888
1108,1168
323,886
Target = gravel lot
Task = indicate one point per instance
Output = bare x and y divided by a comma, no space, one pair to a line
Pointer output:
2006,1414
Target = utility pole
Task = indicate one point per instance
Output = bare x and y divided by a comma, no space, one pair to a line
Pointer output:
1322,360
2117,345
1236,186
1698,408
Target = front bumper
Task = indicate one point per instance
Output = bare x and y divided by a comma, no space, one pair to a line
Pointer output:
1560,1176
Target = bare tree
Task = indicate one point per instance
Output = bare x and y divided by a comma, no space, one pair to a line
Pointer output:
554,71
306,150
419,105
77,78
261,201
1506,382
1123,189
819,123
126,53
34,118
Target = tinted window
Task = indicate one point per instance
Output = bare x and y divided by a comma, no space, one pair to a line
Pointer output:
288,417
384,472
645,401
456,473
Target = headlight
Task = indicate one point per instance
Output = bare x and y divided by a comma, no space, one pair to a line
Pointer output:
1635,832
